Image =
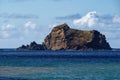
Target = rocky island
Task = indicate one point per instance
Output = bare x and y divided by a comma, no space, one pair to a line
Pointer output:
62,37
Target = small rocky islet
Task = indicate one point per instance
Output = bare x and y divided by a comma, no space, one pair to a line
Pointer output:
62,37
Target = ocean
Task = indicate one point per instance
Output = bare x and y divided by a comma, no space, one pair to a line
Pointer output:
59,65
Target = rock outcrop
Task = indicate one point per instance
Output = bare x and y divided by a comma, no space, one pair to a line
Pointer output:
33,46
62,37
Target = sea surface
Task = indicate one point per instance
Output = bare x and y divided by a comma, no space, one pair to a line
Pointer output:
59,65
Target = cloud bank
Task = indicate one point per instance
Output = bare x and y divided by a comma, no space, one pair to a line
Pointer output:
27,29
69,17
92,19
18,16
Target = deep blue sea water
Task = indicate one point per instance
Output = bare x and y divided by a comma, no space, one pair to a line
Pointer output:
59,65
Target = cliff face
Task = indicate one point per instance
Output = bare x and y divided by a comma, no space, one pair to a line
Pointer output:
62,37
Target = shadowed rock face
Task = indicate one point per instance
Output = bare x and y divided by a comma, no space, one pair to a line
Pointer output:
33,46
62,37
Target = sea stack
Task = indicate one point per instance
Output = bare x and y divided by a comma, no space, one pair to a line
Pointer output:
62,37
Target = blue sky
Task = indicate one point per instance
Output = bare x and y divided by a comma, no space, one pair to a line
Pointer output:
24,21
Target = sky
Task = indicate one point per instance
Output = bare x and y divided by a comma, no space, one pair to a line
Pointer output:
24,21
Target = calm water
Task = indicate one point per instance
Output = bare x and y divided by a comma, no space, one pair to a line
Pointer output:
59,65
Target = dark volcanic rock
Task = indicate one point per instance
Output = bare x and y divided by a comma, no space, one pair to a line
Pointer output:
33,46
62,37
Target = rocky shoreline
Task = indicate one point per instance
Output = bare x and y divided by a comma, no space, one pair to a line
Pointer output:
62,37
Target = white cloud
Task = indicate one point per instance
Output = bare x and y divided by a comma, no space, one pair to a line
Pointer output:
30,25
6,30
116,19
51,26
7,27
5,34
92,19
89,20
31,29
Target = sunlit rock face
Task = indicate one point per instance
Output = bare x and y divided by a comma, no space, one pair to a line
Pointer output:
62,37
